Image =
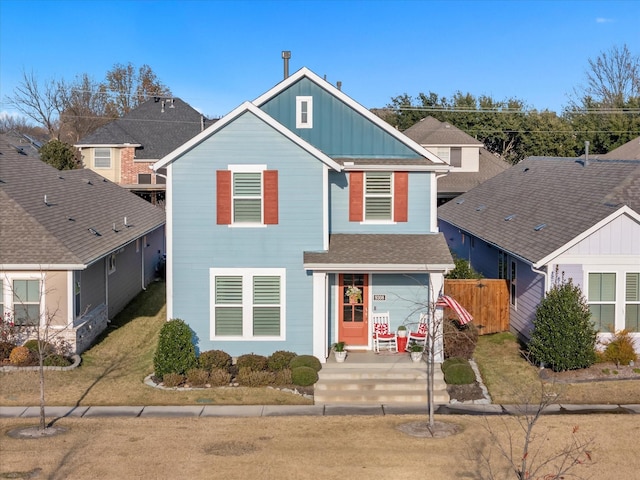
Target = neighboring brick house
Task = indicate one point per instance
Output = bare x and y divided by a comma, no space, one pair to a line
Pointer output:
124,150
471,163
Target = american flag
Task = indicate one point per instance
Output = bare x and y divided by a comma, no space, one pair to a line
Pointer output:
447,301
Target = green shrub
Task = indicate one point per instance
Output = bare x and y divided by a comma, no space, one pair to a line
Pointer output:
56,360
459,341
219,377
563,336
255,362
304,376
32,345
620,350
459,374
279,360
305,361
214,359
283,377
254,378
197,377
21,357
5,350
463,269
171,380
453,361
175,352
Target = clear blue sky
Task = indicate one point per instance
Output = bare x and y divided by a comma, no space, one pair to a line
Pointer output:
217,54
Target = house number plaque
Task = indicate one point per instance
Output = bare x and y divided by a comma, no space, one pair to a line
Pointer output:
379,297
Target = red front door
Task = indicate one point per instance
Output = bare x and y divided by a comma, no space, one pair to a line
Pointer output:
353,324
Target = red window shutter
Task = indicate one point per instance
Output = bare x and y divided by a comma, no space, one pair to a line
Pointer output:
223,197
356,193
270,197
401,196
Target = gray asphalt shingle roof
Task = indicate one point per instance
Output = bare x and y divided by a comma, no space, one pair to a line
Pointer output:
418,250
627,151
562,193
56,233
159,130
459,182
430,131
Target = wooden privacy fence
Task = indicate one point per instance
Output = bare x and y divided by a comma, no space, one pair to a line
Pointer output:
487,300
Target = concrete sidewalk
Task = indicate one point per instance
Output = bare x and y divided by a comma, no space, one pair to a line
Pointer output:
297,410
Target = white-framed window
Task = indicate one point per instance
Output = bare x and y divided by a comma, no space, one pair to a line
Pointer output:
112,263
246,197
304,112
602,300
247,304
455,157
378,196
144,178
76,293
503,265
102,158
26,300
632,302
1,298
513,284
443,153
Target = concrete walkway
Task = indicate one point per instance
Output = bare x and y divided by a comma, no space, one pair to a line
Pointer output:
307,410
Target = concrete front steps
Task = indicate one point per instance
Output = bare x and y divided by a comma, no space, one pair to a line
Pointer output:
396,381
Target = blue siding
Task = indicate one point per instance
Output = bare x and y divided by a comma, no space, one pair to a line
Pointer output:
407,296
419,207
200,244
338,130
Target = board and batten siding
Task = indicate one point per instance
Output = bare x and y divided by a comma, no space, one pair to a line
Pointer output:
93,287
200,244
418,208
338,130
530,290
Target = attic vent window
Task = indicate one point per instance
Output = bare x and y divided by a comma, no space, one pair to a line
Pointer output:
480,208
304,112
94,232
509,217
539,227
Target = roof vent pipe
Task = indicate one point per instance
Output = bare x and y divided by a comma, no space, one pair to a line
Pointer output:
286,55
339,85
586,153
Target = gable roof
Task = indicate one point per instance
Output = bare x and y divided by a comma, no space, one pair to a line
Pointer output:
382,252
156,127
628,151
246,107
430,131
39,235
459,182
542,204
427,157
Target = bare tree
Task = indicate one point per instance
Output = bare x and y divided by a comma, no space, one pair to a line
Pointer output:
130,87
39,101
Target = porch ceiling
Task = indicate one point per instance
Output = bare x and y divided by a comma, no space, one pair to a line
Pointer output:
383,252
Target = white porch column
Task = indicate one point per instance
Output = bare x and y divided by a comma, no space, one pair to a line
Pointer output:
319,315
437,328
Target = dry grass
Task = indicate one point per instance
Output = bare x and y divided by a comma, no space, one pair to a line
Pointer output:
294,448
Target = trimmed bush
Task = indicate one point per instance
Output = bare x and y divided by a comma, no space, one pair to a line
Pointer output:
32,345
5,350
279,360
21,356
304,376
620,350
254,378
563,336
175,352
252,361
214,359
283,377
172,380
453,361
305,361
56,360
219,377
197,377
459,374
459,341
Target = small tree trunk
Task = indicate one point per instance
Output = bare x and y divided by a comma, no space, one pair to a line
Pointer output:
41,347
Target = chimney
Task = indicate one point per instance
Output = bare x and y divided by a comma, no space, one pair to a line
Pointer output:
586,153
286,55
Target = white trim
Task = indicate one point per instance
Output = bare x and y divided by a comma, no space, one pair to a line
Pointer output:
433,205
305,72
251,108
71,298
624,210
377,268
319,316
169,241
107,145
247,275
50,266
351,166
8,279
325,207
300,99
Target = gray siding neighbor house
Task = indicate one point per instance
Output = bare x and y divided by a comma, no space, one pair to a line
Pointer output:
75,248
579,218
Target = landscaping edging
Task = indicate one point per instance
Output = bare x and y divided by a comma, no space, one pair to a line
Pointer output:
486,398
12,368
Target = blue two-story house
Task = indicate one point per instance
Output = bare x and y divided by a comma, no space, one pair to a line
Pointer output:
279,207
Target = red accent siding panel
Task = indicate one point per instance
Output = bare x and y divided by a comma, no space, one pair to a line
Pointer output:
356,193
223,197
270,197
401,196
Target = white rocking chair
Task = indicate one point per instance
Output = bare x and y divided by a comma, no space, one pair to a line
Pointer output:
382,334
420,335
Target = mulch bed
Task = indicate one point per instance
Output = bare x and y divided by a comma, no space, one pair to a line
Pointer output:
598,372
